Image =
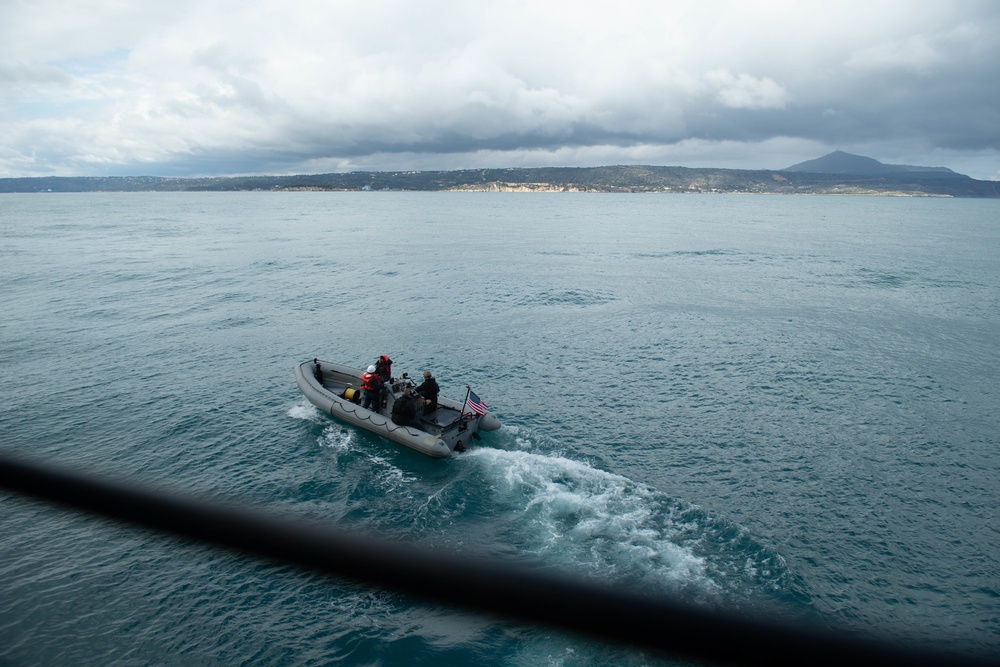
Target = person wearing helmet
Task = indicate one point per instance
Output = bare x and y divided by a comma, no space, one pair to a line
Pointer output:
372,384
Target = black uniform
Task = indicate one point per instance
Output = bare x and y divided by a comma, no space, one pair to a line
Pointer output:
404,411
429,390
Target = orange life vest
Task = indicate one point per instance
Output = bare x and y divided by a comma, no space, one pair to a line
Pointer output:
370,381
383,366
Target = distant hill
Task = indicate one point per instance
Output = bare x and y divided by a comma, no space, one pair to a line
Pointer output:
834,179
839,162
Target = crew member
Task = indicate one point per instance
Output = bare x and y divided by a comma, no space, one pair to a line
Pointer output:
404,412
429,390
383,367
372,384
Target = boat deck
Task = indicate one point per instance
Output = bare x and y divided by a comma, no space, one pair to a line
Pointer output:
436,422
441,418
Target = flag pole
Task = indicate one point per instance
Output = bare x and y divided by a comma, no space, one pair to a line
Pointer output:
468,390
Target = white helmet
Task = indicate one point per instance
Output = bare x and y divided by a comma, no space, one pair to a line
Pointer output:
371,369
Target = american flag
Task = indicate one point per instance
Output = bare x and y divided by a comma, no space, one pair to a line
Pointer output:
476,404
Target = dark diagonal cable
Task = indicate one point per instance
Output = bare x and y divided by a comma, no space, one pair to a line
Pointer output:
499,588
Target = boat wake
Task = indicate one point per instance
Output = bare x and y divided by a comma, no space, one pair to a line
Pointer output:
598,522
529,502
605,526
346,446
306,412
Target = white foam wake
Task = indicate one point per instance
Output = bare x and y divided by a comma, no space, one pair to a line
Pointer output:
582,517
305,411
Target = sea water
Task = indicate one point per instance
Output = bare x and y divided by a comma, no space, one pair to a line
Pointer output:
781,406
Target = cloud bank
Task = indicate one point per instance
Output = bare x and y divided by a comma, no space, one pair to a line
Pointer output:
217,87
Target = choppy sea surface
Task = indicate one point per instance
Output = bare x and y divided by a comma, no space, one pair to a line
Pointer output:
783,406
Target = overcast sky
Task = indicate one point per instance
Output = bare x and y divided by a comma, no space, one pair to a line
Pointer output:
200,87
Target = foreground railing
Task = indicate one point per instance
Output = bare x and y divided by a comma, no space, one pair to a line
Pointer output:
518,594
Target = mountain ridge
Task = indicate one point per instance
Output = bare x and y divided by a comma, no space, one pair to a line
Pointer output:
839,162
798,179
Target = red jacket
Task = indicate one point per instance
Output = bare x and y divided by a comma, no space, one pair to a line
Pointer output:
383,366
371,382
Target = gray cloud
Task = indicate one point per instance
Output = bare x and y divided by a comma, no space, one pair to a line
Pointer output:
197,89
